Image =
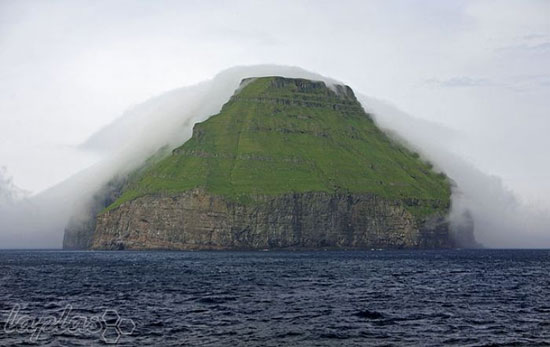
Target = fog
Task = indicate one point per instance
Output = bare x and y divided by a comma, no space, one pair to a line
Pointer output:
501,220
39,221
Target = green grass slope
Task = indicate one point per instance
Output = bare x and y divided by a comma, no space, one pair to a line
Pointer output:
278,135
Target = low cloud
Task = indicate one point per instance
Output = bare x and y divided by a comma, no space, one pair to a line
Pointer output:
501,219
10,194
522,83
38,222
460,81
527,47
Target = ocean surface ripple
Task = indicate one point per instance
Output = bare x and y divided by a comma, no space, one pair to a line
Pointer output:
322,298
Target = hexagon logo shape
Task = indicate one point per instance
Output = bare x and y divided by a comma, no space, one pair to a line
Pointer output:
126,326
111,335
110,318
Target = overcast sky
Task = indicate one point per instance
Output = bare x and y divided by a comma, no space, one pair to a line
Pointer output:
480,68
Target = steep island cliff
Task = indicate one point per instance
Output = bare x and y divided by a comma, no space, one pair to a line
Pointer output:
286,164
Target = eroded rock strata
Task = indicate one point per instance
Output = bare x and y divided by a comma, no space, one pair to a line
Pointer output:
198,220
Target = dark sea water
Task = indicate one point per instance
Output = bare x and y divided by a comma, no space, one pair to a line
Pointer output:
428,298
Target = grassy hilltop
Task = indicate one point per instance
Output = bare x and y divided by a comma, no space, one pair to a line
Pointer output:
278,135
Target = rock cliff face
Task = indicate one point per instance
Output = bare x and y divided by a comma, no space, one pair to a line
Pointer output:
79,231
286,164
199,220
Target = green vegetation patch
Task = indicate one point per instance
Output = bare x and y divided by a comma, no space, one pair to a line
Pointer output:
279,135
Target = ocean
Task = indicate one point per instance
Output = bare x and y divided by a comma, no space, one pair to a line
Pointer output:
317,298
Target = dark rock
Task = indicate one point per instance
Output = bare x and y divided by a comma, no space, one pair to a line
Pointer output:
199,220
366,314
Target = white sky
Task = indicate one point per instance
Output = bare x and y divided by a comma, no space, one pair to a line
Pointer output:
481,68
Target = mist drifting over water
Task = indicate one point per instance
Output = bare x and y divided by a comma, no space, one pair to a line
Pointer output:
167,120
